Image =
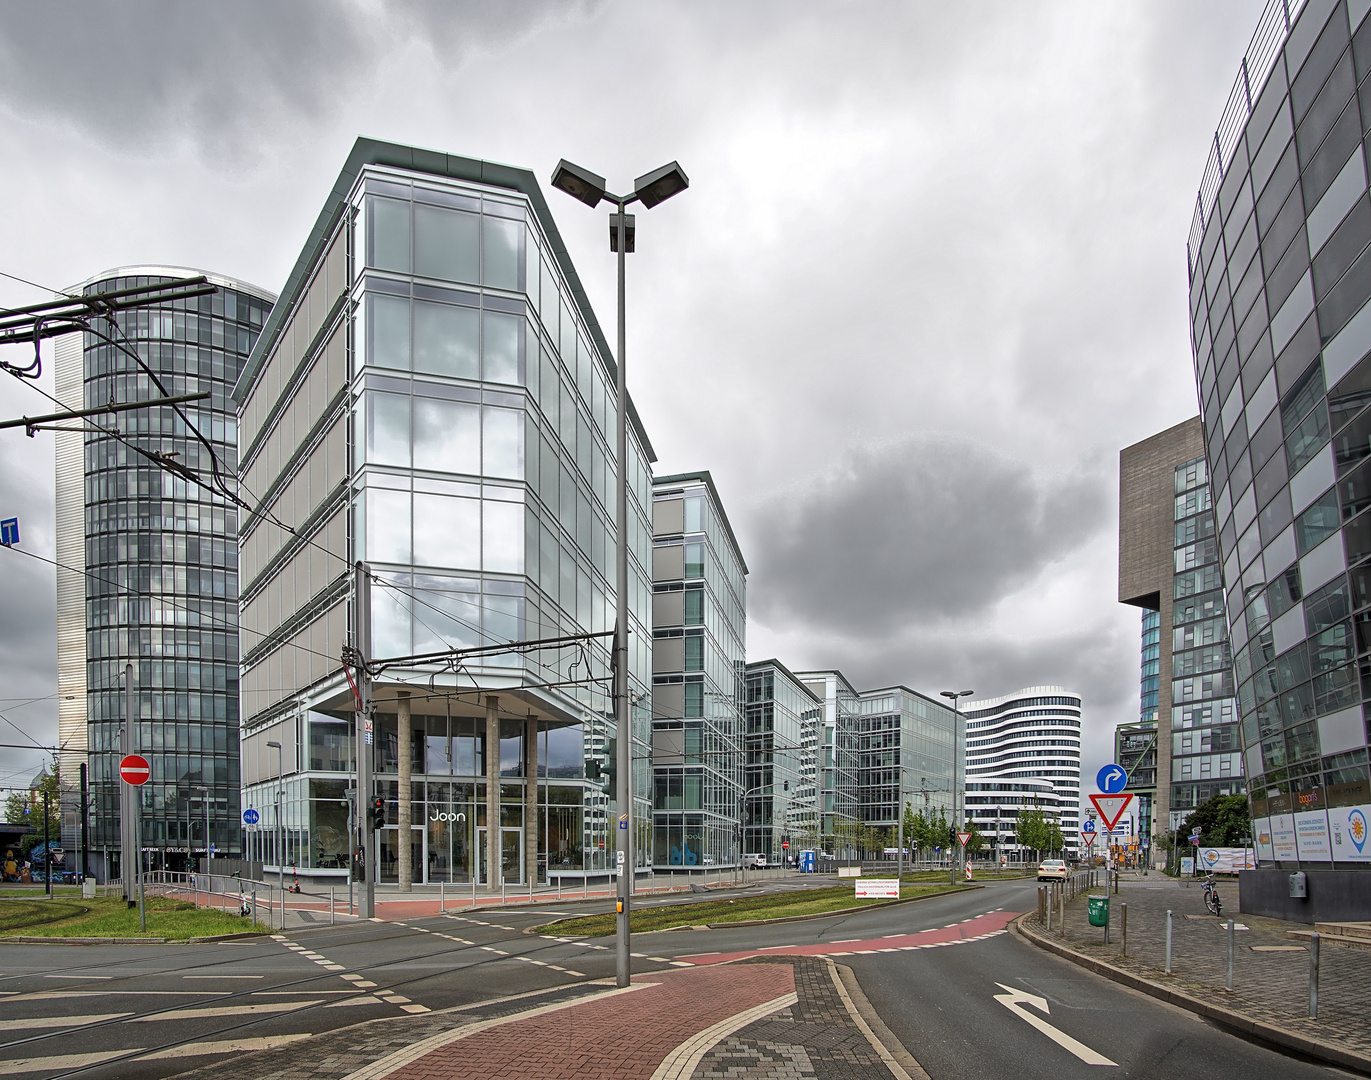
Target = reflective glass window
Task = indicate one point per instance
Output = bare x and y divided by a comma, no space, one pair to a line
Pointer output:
447,436
446,244
388,538
500,347
445,340
447,531
388,322
501,252
387,429
503,443
390,235
502,536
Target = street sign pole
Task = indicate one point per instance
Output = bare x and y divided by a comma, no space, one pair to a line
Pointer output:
128,745
366,901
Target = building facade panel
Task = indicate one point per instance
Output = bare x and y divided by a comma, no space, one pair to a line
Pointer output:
1281,335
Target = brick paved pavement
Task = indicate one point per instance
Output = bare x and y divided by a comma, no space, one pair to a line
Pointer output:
608,1036
1270,969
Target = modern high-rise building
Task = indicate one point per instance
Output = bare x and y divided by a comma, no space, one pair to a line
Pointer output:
906,751
1169,566
1023,752
780,742
699,603
153,558
837,760
433,396
1281,328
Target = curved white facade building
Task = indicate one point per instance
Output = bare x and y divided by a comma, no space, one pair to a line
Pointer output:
1023,752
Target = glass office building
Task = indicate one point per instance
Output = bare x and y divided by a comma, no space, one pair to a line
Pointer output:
1280,276
433,395
1023,752
154,566
699,598
781,723
906,747
837,762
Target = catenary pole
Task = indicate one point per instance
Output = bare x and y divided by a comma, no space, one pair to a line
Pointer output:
623,734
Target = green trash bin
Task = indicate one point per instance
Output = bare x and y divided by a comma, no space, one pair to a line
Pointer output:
1099,910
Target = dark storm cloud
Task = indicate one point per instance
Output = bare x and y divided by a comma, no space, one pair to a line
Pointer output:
917,532
225,76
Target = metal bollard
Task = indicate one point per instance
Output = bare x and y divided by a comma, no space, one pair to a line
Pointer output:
1228,976
442,897
1314,975
1168,941
332,912
1049,909
1123,929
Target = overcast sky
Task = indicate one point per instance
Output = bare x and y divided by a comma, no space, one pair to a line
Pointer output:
928,279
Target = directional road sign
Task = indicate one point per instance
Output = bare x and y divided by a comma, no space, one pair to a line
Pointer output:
1111,807
134,769
1111,779
1089,825
9,532
251,816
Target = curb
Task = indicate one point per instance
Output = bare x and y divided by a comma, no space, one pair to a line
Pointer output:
1236,1022
211,939
547,927
863,1013
20,939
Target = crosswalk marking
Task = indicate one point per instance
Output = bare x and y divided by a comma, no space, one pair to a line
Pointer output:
59,1021
62,1061
228,1010
225,1046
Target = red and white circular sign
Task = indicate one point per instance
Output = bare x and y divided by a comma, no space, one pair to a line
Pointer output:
134,769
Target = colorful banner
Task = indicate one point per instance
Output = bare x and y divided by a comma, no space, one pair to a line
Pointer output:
1227,860
1283,837
1347,826
1311,836
1261,830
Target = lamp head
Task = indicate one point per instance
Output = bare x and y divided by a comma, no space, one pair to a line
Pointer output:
579,183
660,184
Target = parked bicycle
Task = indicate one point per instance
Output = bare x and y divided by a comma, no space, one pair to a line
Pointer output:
1212,902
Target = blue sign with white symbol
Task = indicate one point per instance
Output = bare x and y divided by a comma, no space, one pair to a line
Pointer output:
806,862
1111,779
1089,826
251,817
9,531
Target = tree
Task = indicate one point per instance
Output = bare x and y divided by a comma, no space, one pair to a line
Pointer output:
1224,821
26,808
1031,831
1055,840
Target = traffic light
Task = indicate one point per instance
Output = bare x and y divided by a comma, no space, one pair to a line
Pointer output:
378,813
611,767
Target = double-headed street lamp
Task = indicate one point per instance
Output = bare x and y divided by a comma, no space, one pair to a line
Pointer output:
651,189
955,696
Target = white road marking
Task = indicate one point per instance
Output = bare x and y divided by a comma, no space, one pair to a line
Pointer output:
81,977
223,976
227,1010
62,1061
90,1018
224,1046
1015,1000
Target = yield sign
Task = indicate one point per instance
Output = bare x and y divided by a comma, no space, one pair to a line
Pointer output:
963,838
1111,807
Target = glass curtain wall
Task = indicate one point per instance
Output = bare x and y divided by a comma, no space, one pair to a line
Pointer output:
162,564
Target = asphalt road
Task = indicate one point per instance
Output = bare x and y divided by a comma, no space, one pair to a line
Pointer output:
147,1012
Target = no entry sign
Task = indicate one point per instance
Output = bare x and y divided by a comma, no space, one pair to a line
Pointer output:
134,769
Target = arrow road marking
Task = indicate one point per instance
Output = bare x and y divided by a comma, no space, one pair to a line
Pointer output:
1014,1001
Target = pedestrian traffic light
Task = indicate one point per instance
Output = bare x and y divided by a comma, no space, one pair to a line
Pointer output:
378,813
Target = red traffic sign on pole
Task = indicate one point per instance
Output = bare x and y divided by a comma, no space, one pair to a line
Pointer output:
785,845
1111,807
134,769
963,838
1088,838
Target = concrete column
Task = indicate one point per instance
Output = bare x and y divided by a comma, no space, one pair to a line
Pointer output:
531,799
493,793
404,818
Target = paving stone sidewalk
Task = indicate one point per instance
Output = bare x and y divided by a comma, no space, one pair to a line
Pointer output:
605,1037
1270,969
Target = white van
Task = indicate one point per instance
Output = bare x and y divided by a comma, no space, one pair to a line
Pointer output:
754,862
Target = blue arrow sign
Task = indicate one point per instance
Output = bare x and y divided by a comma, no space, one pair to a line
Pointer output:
251,817
1111,779
1089,826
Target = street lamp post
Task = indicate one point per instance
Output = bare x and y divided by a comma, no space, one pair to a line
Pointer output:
650,189
280,831
955,696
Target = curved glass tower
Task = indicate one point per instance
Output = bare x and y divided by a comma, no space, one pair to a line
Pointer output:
1280,276
160,560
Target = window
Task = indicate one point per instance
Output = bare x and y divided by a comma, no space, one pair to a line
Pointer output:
387,429
502,442
694,607
445,340
694,699
446,244
694,560
695,653
502,252
389,331
447,532
390,235
1318,522
447,436
501,346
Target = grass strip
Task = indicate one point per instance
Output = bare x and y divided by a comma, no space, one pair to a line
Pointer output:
174,920
741,909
